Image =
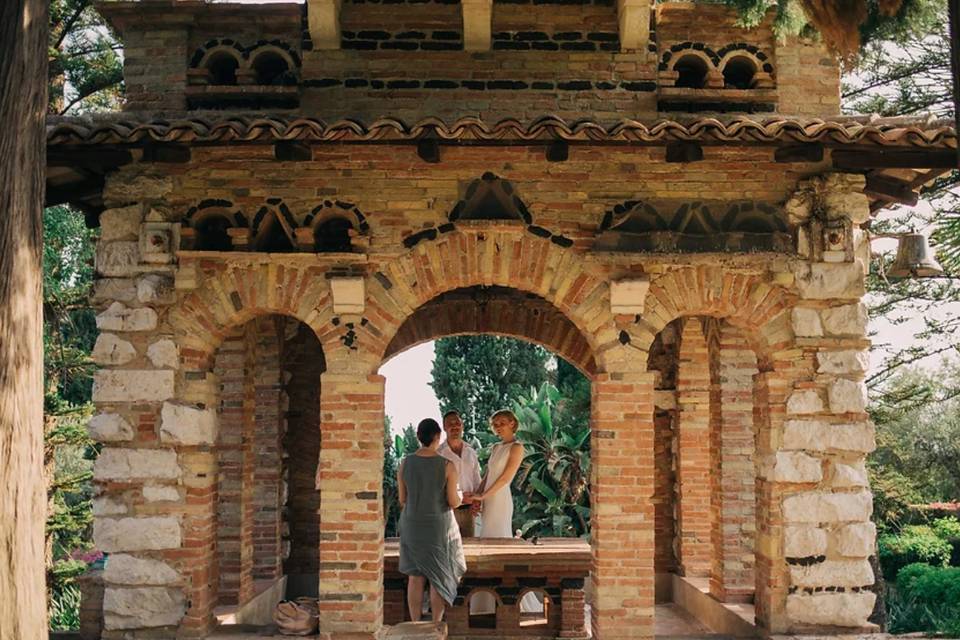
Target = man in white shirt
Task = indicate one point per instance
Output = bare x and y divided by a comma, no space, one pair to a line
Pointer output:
464,458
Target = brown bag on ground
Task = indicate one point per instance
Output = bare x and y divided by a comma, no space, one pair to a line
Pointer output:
300,617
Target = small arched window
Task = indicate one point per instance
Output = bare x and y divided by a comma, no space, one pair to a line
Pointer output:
222,67
738,73
692,72
271,68
482,605
333,236
212,234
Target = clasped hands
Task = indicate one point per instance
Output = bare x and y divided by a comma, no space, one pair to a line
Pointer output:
475,500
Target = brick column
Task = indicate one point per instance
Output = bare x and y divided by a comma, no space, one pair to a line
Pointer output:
351,519
572,607
732,368
693,436
269,429
622,538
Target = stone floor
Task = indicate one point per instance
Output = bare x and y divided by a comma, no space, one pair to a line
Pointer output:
671,622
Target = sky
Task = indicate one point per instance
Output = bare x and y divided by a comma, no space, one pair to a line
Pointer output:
409,396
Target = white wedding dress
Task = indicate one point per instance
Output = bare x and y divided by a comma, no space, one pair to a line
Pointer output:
496,521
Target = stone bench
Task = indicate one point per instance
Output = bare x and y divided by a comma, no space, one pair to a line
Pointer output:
555,569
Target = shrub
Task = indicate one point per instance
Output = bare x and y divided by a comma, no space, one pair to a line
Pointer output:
949,530
926,598
65,608
915,543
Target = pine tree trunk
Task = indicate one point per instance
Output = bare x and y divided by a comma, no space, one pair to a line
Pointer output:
23,95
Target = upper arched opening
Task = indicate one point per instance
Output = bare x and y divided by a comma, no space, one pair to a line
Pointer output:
495,310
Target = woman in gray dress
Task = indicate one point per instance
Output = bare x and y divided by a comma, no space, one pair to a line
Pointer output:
430,547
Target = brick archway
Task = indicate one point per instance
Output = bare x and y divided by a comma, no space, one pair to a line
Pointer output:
497,311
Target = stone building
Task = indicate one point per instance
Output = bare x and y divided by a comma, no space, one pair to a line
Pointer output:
296,193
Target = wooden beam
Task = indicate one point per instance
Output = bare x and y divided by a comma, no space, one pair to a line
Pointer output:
323,21
684,151
633,17
429,150
894,159
809,152
95,157
291,151
92,186
167,153
477,21
558,151
890,189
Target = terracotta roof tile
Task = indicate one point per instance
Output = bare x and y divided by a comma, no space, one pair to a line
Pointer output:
226,128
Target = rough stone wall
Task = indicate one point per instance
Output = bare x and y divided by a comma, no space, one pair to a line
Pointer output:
163,317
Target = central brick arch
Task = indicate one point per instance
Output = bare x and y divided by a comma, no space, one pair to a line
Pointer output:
497,311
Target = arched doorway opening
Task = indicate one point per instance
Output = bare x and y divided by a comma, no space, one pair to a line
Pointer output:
266,529
541,567
706,428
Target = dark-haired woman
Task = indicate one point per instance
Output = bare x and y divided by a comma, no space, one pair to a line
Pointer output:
430,547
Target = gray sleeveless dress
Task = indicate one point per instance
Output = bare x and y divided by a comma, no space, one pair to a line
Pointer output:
430,544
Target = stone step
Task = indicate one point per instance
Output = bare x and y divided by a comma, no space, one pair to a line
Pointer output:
417,631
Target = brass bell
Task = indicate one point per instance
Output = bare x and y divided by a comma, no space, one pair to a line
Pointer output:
914,258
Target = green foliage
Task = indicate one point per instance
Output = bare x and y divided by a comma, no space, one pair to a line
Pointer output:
85,65
394,450
478,375
925,598
64,608
914,543
554,480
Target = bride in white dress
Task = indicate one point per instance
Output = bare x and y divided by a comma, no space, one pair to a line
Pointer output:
496,520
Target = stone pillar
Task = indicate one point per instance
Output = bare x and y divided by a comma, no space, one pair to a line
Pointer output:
350,478
693,451
622,538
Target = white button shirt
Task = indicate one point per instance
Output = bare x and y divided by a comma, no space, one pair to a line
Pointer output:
467,465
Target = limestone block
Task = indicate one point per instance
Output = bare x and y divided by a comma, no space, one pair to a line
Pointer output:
119,258
843,197
128,385
834,609
123,188
188,425
814,507
111,350
164,354
847,396
122,568
477,22
846,475
121,224
142,607
817,435
114,289
842,362
136,534
118,317
349,295
832,573
848,320
806,322
106,506
856,540
804,401
628,296
804,542
109,427
156,289
799,207
795,466
824,281
129,464
154,493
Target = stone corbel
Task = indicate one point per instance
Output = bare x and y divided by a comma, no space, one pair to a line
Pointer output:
348,294
477,21
323,17
628,296
634,19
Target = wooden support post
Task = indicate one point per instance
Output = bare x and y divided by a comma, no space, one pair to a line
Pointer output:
23,497
558,151
288,151
323,20
894,158
171,154
477,21
634,21
429,150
